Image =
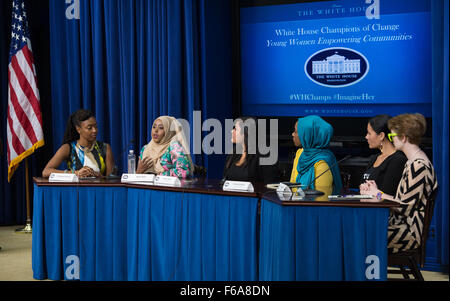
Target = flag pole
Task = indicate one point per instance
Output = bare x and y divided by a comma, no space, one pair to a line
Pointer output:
27,229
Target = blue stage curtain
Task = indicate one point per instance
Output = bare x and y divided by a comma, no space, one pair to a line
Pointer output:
132,61
440,82
129,62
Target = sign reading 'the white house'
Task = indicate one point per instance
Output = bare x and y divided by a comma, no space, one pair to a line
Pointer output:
336,67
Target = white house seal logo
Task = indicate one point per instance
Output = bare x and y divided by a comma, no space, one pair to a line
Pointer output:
336,67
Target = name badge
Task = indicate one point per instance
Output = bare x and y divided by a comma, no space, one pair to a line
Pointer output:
146,179
238,186
63,177
167,181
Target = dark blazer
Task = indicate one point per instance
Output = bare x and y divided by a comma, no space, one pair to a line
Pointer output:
388,174
250,171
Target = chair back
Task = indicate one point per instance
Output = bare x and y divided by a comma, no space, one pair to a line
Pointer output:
429,210
199,171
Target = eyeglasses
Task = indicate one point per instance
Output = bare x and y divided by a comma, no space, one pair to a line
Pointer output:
391,136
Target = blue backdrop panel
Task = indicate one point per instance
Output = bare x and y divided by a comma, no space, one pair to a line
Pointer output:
188,236
321,243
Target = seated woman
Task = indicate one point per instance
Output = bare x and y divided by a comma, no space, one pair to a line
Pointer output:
385,168
167,153
417,183
313,134
84,155
243,163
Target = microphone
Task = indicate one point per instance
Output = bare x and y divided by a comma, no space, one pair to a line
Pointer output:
308,191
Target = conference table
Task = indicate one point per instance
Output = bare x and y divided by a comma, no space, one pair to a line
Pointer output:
138,232
104,230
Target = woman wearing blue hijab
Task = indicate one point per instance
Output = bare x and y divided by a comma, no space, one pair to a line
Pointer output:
313,134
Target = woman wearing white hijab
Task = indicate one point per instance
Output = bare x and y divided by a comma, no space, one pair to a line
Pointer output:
167,153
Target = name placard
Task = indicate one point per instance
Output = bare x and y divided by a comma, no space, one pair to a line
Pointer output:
238,186
146,179
286,190
167,181
63,177
298,195
351,196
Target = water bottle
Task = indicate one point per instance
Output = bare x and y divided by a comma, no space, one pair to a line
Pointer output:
131,162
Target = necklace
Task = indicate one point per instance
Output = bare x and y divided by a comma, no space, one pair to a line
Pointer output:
85,148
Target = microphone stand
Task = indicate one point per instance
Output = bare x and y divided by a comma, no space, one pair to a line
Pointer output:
115,170
309,191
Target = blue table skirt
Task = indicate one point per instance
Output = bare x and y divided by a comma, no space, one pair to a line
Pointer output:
187,236
121,233
321,243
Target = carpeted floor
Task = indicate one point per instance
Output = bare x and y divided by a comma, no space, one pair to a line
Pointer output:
15,257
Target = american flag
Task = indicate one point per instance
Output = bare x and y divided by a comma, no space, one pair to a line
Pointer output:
24,119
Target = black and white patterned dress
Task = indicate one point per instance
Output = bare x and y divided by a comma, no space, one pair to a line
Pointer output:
406,221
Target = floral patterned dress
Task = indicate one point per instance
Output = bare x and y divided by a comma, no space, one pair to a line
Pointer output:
175,161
